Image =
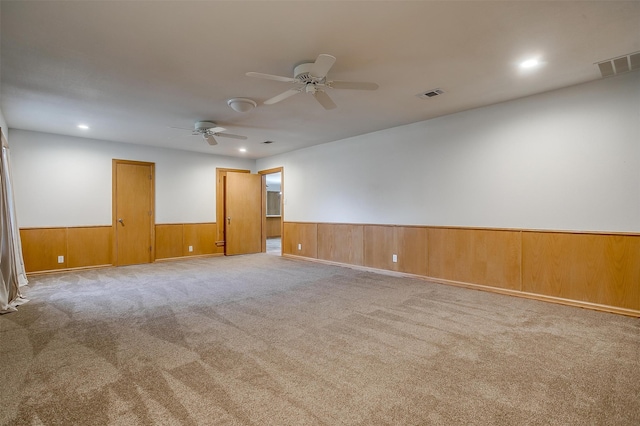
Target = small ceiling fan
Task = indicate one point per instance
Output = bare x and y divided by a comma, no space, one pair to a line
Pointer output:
209,129
311,77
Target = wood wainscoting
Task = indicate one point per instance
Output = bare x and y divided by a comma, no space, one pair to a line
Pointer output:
173,240
80,247
91,246
593,270
274,226
300,239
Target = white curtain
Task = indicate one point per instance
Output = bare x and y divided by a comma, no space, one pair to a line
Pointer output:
12,272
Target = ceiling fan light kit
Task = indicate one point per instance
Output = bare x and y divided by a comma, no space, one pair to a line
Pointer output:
242,104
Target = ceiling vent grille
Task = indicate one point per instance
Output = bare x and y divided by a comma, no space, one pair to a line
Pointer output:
622,64
430,93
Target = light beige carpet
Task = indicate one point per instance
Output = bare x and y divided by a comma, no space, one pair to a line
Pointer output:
262,340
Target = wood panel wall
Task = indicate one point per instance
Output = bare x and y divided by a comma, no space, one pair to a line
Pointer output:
91,246
274,226
303,234
173,240
202,237
79,246
602,269
593,270
486,257
379,247
412,248
169,239
341,243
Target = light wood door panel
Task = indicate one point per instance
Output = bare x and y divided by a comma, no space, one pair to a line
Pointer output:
221,175
243,213
133,212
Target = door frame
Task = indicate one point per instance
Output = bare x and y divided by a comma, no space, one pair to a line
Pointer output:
264,205
114,207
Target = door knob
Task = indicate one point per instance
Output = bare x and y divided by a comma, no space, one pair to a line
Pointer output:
121,222
229,220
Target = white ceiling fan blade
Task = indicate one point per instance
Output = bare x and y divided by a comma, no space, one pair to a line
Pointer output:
210,140
229,135
179,128
353,85
282,96
322,65
271,77
324,100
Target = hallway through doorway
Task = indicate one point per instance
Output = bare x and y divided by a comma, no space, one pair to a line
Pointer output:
274,246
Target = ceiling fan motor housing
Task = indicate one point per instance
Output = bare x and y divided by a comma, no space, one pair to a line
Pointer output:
203,126
303,73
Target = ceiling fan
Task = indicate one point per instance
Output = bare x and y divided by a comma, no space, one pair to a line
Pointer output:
209,129
311,77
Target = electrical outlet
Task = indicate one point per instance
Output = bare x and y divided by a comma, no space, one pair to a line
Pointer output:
299,246
60,259
190,249
394,258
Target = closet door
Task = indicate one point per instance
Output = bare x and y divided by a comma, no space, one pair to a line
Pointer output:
133,217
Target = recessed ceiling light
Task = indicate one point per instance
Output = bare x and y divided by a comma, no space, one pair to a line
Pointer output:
83,127
530,63
242,149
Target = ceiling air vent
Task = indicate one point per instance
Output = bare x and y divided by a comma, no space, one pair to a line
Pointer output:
430,93
622,64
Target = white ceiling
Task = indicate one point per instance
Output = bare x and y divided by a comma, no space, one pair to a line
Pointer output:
131,69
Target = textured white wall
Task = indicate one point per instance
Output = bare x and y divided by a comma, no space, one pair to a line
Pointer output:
66,181
564,160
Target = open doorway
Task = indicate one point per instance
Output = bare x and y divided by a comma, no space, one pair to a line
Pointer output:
273,198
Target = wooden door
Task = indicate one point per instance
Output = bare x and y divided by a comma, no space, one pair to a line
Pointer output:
243,213
221,176
133,216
